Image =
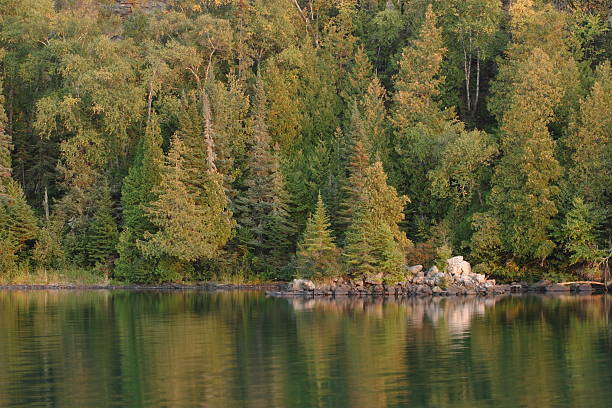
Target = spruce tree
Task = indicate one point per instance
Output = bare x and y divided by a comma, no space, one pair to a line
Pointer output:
353,188
590,143
317,254
136,195
369,121
101,237
264,206
581,236
375,245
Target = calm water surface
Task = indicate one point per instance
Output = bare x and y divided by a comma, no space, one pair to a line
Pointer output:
240,349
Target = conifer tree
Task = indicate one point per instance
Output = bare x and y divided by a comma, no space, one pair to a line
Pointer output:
374,242
369,120
581,235
264,206
590,143
187,229
18,223
101,237
421,127
523,183
317,254
354,188
136,195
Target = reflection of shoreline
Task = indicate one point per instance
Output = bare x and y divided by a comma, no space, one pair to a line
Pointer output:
455,313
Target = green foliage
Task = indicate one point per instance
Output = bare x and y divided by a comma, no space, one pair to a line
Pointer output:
100,239
136,195
188,227
374,242
580,234
18,223
263,209
261,105
317,255
523,183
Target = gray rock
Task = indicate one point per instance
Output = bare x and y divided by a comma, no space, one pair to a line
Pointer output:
432,270
479,278
414,269
302,284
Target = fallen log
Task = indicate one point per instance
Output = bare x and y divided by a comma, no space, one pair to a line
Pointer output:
582,283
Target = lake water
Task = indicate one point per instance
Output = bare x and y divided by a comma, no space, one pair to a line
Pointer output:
241,349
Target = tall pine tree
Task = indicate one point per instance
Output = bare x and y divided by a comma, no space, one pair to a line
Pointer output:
264,207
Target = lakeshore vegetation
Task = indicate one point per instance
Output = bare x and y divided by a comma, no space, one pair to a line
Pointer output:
186,140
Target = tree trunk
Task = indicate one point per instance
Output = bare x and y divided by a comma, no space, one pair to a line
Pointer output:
477,80
467,62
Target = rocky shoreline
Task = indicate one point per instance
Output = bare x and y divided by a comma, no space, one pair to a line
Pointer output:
457,279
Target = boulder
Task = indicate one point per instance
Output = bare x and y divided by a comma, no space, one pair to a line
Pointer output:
302,284
479,278
432,270
457,266
452,291
414,269
342,290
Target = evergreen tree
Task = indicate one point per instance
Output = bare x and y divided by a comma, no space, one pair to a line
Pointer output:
18,223
187,229
136,195
101,238
523,183
369,121
581,236
264,206
374,242
317,254
354,188
590,144
421,127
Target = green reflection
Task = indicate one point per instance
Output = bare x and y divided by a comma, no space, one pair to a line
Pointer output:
186,349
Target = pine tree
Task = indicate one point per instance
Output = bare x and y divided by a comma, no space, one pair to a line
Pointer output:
317,255
523,183
353,189
18,223
263,207
101,237
374,242
136,195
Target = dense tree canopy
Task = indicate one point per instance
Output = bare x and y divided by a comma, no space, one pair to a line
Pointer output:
188,139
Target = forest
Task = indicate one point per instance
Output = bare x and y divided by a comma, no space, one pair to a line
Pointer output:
257,140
